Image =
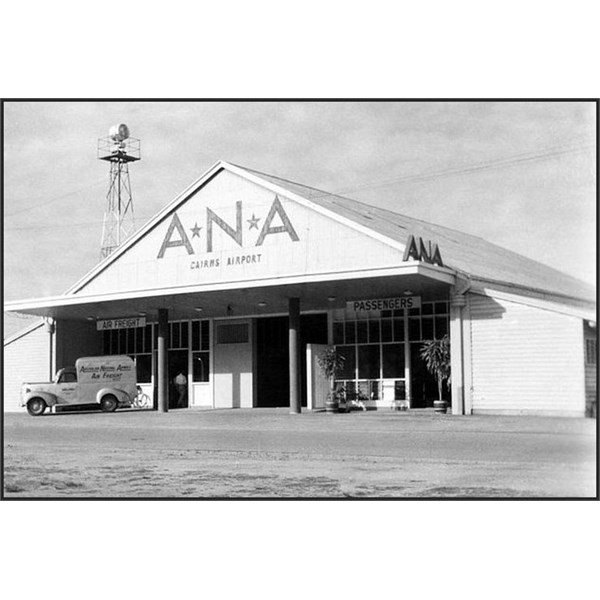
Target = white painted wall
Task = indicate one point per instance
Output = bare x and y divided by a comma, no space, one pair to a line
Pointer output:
323,245
233,381
525,359
26,359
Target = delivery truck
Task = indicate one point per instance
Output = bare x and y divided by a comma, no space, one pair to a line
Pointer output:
109,382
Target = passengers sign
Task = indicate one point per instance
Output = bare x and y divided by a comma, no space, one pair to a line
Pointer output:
379,304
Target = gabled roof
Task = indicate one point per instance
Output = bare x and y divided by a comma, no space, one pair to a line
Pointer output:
469,255
462,252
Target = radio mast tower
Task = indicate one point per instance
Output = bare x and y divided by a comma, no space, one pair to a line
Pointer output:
119,149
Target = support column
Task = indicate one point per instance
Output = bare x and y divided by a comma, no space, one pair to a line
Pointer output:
294,346
407,376
162,360
457,302
51,328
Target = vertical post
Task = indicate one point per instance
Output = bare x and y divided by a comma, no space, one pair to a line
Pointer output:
163,334
294,347
407,379
50,328
457,301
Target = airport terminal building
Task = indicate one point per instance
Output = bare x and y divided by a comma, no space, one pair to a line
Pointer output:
217,284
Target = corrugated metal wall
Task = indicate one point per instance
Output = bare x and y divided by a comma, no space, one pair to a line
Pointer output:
525,359
25,359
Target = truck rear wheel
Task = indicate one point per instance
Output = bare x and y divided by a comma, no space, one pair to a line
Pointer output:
109,403
36,407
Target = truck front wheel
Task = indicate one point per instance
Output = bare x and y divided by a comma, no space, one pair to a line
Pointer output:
36,407
109,403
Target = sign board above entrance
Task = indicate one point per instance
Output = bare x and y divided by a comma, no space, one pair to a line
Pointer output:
383,304
123,323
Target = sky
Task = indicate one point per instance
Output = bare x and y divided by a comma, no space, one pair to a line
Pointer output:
518,174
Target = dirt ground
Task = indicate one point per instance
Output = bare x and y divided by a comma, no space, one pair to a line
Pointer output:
268,453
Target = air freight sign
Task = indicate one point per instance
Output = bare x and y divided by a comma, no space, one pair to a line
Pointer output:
123,323
379,304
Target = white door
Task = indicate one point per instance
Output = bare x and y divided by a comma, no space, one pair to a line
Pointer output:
317,386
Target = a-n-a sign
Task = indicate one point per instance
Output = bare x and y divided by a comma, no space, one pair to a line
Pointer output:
234,233
417,249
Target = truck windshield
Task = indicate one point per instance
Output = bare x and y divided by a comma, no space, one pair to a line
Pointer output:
67,378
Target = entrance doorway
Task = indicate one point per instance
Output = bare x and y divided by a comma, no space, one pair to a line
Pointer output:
272,357
424,387
178,364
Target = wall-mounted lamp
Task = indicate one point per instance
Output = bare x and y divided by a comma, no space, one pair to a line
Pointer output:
262,304
229,310
142,314
198,309
91,318
331,299
408,292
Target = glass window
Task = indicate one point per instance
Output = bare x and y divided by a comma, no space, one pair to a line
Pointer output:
143,366
350,332
414,329
106,342
427,328
414,312
196,335
201,366
148,338
200,335
386,330
374,331
68,377
398,330
139,339
349,354
427,308
441,308
441,327
205,335
338,333
368,362
361,332
122,344
393,361
174,337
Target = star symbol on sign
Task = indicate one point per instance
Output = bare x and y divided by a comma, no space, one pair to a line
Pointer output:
195,230
253,222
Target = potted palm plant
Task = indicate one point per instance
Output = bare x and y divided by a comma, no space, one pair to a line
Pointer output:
436,354
331,363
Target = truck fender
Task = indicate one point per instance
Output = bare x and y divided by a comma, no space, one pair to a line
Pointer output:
120,395
49,399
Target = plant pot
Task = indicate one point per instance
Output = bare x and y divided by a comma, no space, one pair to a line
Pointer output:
440,406
331,406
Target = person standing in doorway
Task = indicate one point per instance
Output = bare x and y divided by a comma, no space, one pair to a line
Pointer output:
181,385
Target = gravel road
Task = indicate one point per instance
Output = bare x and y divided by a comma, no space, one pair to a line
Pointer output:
267,453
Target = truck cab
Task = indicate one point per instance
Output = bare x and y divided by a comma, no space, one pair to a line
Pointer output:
108,381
